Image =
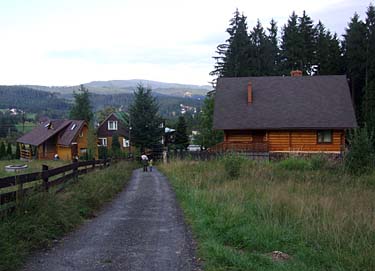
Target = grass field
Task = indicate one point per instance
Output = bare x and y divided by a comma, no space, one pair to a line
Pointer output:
44,217
33,166
321,217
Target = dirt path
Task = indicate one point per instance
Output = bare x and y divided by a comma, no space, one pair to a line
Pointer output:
142,229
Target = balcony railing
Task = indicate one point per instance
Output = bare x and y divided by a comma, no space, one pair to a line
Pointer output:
240,147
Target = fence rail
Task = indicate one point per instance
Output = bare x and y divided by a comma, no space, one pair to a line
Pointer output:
13,188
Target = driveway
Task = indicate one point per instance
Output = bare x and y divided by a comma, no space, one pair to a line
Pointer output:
142,229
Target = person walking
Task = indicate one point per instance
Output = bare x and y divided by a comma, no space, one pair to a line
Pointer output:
144,159
150,164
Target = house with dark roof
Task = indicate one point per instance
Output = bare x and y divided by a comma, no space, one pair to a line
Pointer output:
283,113
115,123
66,138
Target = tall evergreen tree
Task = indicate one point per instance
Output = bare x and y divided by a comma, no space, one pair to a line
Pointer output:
232,59
115,146
3,151
328,54
146,130
307,35
207,135
368,108
261,58
81,109
18,151
291,44
181,137
274,51
9,151
354,47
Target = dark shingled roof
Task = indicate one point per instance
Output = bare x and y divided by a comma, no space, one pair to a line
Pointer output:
68,130
71,132
43,132
307,102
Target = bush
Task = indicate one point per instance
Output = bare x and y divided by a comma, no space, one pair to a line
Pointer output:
360,158
294,164
318,162
232,165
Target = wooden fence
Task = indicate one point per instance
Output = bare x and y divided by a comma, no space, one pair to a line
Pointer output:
13,188
207,155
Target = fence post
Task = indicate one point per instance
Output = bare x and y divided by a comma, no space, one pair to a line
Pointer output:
19,190
93,164
45,177
75,170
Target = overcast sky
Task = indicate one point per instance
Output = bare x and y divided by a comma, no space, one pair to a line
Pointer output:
68,42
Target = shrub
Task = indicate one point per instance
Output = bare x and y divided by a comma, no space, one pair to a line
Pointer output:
318,162
294,164
360,158
232,165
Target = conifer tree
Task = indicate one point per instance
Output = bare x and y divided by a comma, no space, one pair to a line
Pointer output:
9,151
115,146
146,122
291,44
307,36
3,151
181,138
274,51
81,109
18,151
207,135
354,47
232,59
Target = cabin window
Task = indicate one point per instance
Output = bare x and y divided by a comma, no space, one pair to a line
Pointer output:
112,125
125,143
325,136
103,141
81,134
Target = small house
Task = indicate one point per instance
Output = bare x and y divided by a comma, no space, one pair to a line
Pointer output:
301,114
115,123
64,138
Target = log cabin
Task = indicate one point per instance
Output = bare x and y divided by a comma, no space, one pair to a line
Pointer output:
66,138
292,114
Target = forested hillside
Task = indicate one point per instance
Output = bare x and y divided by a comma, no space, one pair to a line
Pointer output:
57,105
33,101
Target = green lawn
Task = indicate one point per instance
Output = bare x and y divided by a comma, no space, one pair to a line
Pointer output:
33,166
321,217
25,128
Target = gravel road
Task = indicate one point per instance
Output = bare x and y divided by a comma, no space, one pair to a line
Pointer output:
142,229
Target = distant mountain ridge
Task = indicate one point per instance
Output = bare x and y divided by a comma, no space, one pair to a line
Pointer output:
128,86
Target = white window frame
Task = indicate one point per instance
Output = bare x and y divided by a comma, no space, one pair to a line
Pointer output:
103,141
125,143
112,125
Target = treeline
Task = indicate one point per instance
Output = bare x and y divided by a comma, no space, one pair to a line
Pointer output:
33,101
306,46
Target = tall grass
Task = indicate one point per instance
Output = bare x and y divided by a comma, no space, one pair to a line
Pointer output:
44,217
323,218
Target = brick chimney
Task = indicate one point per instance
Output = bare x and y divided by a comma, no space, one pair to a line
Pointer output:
296,73
249,93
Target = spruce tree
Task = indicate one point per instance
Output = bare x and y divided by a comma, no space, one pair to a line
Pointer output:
115,146
291,44
368,108
18,151
354,48
81,109
145,119
274,51
207,135
307,36
3,151
9,151
181,137
232,59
